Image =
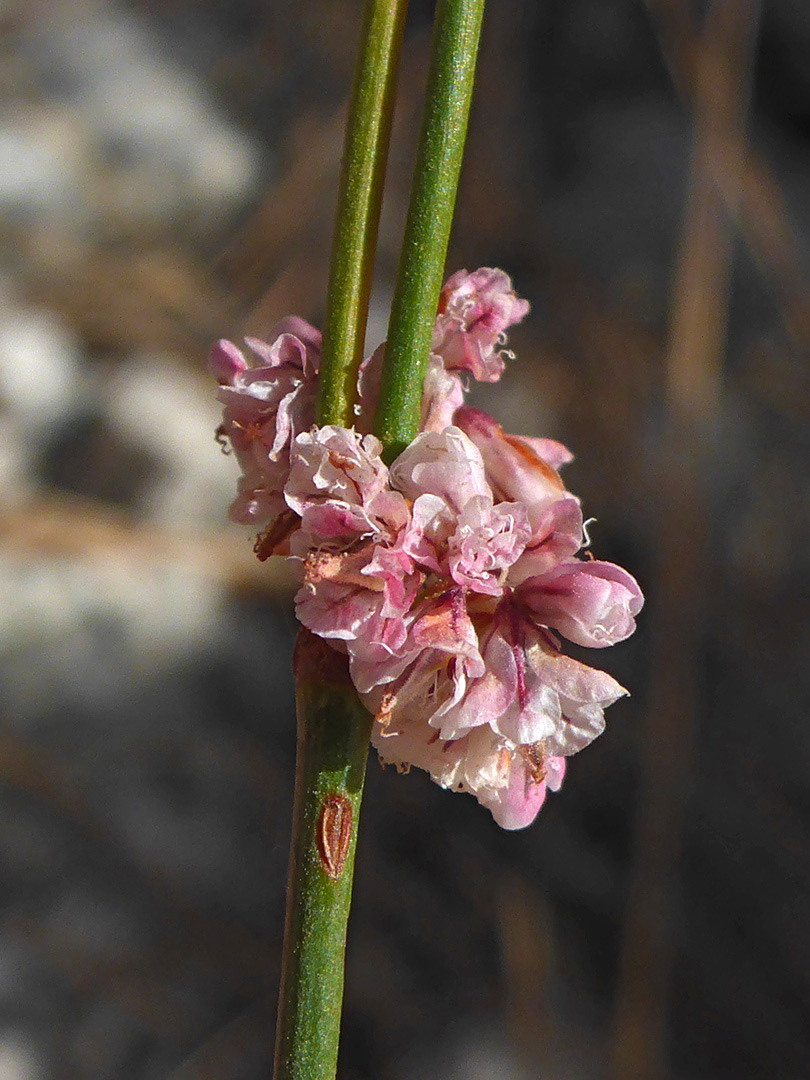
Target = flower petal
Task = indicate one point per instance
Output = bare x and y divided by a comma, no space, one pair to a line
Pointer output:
591,603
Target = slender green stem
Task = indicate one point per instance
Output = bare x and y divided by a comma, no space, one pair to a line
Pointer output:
365,153
333,726
427,230
333,738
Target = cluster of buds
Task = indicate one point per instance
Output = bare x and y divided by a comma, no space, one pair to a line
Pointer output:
447,578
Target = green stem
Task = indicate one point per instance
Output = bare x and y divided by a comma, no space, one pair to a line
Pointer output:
333,738
430,213
333,726
358,211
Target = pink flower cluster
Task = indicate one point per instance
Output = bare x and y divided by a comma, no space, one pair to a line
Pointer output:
445,578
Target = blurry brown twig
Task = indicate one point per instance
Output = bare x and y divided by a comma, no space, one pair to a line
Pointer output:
750,192
158,298
527,948
232,948
285,240
220,1054
697,340
81,528
146,1000
295,206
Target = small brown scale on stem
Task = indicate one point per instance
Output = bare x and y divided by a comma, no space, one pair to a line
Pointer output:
332,834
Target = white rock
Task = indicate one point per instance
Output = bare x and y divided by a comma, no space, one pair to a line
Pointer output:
43,161
152,108
156,402
18,1061
39,367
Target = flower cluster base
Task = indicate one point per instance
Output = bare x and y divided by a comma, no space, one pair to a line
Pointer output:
449,578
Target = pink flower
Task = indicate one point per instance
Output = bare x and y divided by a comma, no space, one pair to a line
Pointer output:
475,311
334,479
446,578
456,530
474,547
531,692
511,782
514,470
590,603
487,541
264,408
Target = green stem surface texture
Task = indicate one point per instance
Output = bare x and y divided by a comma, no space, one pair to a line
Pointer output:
333,737
365,153
427,231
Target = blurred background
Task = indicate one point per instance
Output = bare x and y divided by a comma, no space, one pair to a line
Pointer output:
167,176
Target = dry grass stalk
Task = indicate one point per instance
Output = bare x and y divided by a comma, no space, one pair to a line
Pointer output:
693,372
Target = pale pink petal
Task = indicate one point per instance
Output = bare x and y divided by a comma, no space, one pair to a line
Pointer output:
514,471
332,522
368,388
591,603
441,463
443,393
557,534
255,505
225,361
293,342
549,450
487,541
555,772
432,525
333,463
584,694
475,310
518,803
308,335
